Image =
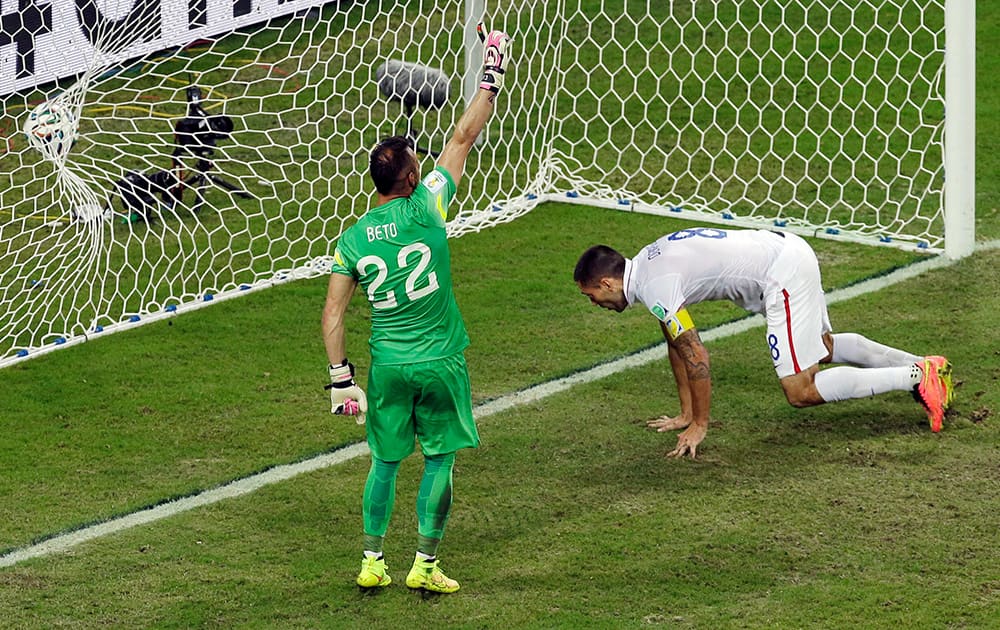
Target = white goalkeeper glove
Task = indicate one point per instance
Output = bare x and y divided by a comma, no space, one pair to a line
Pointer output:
496,54
346,398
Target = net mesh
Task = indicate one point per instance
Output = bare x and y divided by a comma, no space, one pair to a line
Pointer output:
155,182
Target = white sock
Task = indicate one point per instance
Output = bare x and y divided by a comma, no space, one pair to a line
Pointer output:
424,556
372,554
858,350
844,383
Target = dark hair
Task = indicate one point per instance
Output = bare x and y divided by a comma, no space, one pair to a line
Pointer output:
600,261
388,163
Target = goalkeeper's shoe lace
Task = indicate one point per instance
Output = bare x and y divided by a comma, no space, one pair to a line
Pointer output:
944,373
426,575
373,573
930,393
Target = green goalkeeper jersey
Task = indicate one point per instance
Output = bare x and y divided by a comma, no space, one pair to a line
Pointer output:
398,252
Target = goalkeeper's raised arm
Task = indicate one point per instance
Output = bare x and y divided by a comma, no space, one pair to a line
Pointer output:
496,56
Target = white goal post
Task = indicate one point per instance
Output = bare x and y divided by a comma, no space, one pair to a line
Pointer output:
162,155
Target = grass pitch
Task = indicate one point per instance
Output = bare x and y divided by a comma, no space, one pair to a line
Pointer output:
568,516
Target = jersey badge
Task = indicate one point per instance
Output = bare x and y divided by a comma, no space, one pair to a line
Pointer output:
435,182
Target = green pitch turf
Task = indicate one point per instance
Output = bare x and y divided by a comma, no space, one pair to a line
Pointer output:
568,516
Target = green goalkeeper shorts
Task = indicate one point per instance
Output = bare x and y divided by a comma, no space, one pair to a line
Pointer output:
430,401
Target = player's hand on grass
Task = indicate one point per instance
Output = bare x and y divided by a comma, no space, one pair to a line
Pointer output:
496,55
666,423
689,439
346,398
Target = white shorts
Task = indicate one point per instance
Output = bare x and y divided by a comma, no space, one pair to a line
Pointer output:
795,309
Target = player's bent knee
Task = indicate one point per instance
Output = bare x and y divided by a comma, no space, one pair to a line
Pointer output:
803,397
797,399
800,389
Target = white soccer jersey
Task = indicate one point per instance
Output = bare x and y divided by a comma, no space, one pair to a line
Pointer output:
764,272
700,264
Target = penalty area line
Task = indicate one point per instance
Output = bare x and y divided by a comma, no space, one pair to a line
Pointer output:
246,485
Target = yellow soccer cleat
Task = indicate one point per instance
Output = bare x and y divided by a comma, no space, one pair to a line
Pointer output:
426,575
373,573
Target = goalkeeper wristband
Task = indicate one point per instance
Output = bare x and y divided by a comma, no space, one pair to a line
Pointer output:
341,376
492,79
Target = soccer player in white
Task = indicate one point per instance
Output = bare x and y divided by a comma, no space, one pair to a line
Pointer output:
777,275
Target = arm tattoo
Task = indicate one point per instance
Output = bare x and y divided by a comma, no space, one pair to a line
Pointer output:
694,355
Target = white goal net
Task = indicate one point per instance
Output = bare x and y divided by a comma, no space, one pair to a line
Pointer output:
161,155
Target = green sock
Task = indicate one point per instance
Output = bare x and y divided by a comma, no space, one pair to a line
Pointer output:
379,498
434,501
427,546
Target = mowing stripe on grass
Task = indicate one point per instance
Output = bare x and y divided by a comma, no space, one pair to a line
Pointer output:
64,541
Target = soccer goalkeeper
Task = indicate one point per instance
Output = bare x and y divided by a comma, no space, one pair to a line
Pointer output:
418,383
772,273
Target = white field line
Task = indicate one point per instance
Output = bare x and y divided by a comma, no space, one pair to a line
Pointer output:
63,542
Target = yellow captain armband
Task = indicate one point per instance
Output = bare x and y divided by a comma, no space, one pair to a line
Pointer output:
677,323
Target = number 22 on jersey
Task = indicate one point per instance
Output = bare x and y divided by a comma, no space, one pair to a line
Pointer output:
405,260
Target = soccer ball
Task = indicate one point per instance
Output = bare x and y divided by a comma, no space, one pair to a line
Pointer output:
89,212
51,129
